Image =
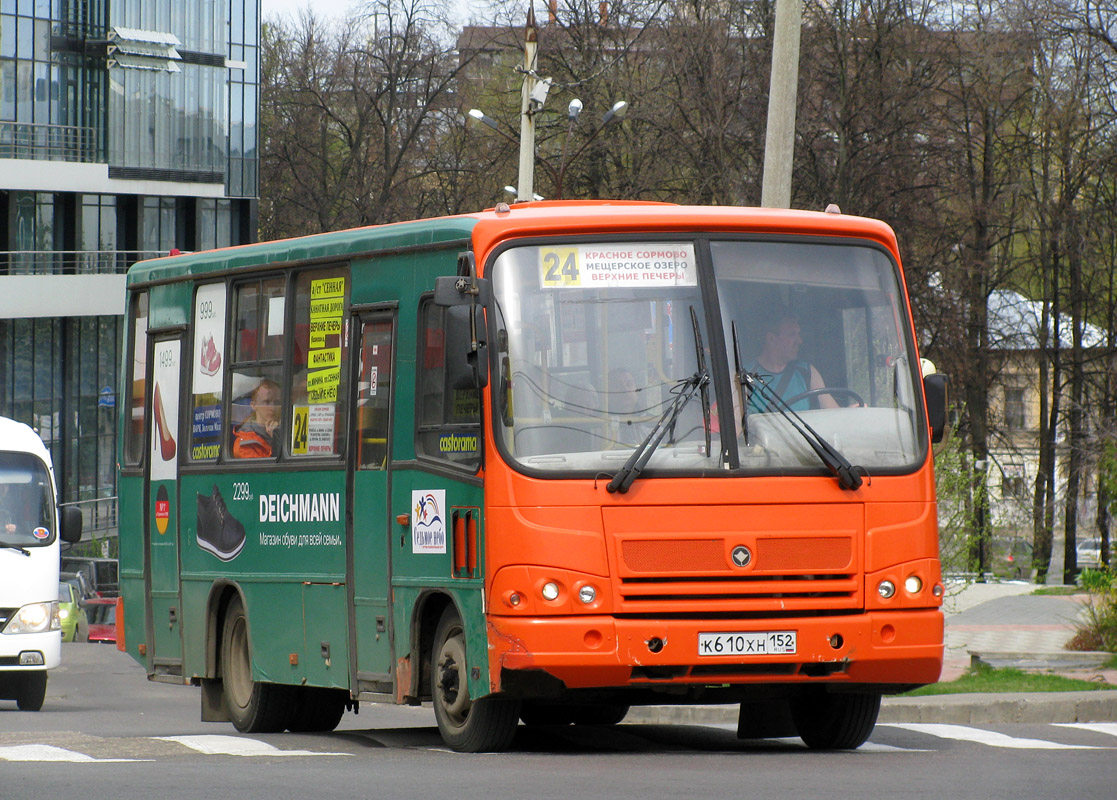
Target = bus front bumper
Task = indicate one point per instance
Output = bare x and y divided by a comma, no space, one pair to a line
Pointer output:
883,647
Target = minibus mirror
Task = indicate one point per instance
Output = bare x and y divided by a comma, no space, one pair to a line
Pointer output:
934,387
467,353
464,288
71,524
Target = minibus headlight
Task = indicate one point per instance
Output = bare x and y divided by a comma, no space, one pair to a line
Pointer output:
35,618
587,594
886,589
912,584
550,591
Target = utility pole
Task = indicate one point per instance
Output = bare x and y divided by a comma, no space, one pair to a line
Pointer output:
526,189
779,143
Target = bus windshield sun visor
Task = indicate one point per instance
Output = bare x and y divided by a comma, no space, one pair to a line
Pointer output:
848,475
684,390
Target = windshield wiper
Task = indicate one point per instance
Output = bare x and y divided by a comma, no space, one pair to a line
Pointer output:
20,548
699,383
742,384
848,475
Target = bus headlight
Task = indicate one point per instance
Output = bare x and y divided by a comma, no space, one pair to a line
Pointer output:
587,594
550,591
886,589
35,618
913,584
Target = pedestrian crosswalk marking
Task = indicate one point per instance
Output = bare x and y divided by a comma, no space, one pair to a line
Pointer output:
216,745
1109,728
991,738
46,752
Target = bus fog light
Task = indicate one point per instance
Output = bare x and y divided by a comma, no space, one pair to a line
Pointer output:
587,594
513,599
912,584
886,589
550,591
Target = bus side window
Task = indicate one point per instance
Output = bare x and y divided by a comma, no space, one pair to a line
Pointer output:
318,393
134,425
449,420
253,423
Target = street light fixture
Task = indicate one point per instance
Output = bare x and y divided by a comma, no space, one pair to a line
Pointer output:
615,113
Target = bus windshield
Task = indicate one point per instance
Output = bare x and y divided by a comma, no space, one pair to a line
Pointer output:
815,337
26,504
595,341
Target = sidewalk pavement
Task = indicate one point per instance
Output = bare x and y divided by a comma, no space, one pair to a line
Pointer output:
1000,624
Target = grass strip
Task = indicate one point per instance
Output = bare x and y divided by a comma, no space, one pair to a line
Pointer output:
983,679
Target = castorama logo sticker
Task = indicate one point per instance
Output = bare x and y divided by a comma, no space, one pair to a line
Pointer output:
428,531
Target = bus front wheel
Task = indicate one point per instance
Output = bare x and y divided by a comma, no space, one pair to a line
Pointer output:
835,721
466,725
252,706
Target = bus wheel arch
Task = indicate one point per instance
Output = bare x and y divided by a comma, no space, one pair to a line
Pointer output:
466,724
220,595
428,610
252,706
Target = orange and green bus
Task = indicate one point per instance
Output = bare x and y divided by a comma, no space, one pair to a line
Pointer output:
537,465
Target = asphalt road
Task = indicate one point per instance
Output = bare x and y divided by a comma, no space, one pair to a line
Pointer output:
107,733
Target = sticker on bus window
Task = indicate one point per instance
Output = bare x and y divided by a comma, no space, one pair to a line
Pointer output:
428,529
312,430
611,265
322,385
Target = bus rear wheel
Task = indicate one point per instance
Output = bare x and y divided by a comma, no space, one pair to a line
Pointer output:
32,690
835,721
466,725
252,706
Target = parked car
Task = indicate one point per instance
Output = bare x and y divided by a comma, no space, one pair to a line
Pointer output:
75,624
1089,553
78,581
102,574
102,619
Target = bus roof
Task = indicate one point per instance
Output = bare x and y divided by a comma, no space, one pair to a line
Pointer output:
488,228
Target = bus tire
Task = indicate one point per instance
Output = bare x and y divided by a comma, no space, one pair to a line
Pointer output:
835,721
316,710
253,707
467,725
32,690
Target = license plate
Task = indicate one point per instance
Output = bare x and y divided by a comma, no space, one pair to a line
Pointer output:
755,643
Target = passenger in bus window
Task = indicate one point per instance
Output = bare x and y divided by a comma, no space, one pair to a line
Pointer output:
781,369
255,438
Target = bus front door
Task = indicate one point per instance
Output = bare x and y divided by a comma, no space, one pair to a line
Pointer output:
161,511
369,549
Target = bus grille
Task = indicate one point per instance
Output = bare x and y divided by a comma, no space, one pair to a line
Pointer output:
797,574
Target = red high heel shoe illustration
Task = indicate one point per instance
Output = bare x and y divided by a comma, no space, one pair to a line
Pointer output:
166,440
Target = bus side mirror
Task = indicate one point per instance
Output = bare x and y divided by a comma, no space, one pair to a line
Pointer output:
934,387
71,524
467,352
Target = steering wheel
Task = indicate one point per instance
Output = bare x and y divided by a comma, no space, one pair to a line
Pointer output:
831,390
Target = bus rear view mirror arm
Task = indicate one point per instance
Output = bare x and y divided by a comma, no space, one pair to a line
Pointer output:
467,350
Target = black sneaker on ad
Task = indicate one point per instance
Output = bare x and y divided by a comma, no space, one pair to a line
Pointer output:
219,532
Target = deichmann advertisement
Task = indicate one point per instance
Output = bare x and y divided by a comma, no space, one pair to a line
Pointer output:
313,424
209,344
609,265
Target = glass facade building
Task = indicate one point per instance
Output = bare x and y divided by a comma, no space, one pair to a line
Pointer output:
127,128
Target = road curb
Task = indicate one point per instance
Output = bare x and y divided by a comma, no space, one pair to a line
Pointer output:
957,709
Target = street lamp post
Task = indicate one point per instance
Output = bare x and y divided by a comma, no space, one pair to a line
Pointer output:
615,112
